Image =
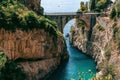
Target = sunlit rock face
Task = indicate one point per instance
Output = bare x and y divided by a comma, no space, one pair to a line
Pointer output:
36,50
35,44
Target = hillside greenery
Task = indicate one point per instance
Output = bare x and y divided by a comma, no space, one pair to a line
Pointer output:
118,8
9,70
14,15
99,5
83,7
115,13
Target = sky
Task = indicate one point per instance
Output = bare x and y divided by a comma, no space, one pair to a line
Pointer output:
61,5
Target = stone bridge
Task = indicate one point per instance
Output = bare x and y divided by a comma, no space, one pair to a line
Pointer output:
62,18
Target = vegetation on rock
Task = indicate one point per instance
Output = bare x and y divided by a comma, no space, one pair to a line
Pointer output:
109,72
100,5
100,28
113,13
83,7
9,70
115,10
14,15
80,24
34,5
118,8
3,59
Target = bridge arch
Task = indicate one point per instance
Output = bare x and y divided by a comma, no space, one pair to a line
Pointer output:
87,26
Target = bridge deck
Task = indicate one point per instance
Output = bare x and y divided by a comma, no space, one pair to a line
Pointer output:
69,13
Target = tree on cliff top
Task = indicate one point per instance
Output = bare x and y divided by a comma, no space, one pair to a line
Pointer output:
83,7
93,5
100,5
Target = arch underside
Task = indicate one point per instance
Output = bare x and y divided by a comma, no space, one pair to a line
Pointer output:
87,26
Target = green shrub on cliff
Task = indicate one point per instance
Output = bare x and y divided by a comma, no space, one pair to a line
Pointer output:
9,70
108,71
113,13
81,24
99,5
83,7
116,32
118,8
14,15
100,28
119,45
3,59
108,52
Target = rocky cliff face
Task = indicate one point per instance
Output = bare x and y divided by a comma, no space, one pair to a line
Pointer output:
30,40
34,5
103,46
37,51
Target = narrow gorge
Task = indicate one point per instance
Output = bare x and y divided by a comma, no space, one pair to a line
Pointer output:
83,44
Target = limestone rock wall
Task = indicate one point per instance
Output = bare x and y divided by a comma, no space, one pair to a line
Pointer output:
40,70
32,44
37,49
78,39
103,46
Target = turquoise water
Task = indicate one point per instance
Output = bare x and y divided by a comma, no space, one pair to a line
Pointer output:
77,63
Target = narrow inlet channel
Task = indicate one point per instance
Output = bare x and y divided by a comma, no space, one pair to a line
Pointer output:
78,64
